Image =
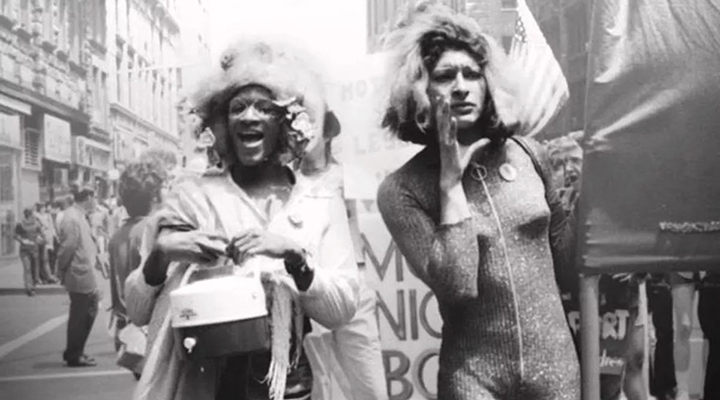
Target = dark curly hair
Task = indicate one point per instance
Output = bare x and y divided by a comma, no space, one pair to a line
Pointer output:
140,184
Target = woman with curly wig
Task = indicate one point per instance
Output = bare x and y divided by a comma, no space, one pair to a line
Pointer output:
261,208
474,215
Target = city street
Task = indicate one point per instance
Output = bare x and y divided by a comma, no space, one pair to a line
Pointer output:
32,339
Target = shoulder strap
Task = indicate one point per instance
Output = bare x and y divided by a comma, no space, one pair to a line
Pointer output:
530,152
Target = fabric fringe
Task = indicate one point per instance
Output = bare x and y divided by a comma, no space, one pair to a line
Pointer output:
284,311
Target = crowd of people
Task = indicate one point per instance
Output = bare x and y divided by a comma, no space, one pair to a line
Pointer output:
484,217
38,237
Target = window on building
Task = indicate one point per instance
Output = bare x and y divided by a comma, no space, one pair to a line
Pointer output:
62,26
31,148
7,172
509,4
25,14
5,7
130,87
94,94
99,22
104,98
48,20
74,29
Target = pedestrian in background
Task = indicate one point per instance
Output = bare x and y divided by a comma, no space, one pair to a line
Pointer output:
46,245
63,205
76,260
28,233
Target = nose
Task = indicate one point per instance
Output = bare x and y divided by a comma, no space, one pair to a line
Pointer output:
250,115
460,87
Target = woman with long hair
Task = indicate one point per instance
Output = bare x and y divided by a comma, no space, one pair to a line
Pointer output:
474,213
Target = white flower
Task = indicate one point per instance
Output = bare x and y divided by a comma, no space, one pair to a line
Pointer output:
295,108
206,138
301,123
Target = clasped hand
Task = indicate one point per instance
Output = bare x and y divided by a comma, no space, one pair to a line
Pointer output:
202,247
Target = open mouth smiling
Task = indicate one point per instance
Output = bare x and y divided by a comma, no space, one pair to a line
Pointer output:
250,137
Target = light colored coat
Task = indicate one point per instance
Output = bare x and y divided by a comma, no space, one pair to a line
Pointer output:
315,217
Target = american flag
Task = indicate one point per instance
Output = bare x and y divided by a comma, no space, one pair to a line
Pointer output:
548,90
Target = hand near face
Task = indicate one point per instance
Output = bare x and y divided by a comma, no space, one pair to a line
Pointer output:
454,157
260,242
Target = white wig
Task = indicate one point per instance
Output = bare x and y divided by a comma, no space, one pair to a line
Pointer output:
284,69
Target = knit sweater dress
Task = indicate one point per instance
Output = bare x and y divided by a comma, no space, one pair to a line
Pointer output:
504,333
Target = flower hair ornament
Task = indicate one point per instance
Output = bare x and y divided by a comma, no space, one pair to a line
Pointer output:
299,126
290,74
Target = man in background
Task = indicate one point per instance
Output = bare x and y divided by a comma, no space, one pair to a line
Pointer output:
28,233
76,258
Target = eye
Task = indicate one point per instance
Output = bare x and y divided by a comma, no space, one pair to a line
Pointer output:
237,107
267,107
472,74
446,75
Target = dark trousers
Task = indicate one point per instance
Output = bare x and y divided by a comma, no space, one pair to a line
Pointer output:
83,310
29,261
662,370
709,318
243,378
44,273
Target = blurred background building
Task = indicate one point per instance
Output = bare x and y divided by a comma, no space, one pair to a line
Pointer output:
86,86
566,26
497,17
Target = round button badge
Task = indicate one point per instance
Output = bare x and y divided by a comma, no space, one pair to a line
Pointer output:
508,172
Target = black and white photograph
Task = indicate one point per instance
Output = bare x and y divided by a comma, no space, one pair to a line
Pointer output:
359,199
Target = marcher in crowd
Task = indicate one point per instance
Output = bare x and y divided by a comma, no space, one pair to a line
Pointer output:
28,233
662,371
266,108
683,288
76,260
474,214
709,318
356,345
622,335
140,189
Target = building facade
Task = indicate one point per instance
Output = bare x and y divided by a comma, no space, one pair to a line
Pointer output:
143,41
566,26
496,17
195,57
47,51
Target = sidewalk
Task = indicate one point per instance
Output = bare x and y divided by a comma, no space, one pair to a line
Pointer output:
11,280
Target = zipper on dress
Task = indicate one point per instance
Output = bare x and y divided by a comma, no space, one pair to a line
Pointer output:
479,173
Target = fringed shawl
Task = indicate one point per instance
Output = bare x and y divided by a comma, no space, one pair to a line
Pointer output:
215,204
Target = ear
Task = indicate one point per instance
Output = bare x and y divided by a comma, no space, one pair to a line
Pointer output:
331,125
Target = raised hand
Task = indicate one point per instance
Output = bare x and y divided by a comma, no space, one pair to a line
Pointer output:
454,157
